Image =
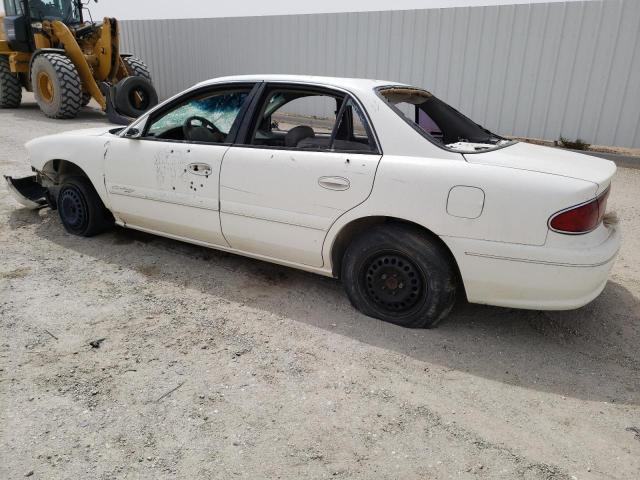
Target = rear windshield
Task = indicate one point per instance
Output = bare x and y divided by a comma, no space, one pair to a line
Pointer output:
439,122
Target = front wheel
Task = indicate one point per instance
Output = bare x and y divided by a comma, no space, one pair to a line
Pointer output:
400,274
80,208
57,86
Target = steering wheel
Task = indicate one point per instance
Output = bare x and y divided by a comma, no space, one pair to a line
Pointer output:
206,131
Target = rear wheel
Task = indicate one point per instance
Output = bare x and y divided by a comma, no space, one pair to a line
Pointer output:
56,85
80,208
10,87
136,67
86,98
400,274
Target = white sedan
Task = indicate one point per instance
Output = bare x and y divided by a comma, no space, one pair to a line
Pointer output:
382,185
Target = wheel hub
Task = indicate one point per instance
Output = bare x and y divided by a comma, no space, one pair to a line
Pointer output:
45,87
393,282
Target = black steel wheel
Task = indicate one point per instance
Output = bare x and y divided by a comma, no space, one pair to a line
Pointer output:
400,274
393,281
80,208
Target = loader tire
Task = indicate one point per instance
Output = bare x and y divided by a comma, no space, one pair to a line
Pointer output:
136,67
86,98
56,85
134,96
10,88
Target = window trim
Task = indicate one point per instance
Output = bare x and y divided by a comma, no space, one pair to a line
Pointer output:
233,132
431,139
251,118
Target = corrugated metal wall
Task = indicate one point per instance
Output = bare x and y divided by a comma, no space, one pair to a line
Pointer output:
540,70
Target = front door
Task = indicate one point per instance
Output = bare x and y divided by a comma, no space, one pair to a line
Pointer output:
298,172
167,181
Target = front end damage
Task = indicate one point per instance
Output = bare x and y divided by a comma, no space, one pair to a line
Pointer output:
28,191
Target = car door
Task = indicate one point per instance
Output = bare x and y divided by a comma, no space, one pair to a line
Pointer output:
167,179
308,156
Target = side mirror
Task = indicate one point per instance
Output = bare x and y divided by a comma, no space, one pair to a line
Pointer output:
132,133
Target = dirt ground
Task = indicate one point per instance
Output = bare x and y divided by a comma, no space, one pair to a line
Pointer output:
217,366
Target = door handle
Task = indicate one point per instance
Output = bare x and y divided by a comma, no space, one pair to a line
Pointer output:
200,169
334,183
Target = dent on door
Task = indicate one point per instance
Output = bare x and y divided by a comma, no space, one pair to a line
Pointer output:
179,179
166,188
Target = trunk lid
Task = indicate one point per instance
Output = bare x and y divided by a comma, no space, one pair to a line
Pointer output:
554,161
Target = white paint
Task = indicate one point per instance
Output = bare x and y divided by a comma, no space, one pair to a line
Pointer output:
273,209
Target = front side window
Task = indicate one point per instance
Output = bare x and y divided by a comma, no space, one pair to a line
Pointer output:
207,118
440,122
307,120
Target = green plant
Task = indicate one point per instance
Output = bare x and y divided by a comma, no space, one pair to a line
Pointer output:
577,144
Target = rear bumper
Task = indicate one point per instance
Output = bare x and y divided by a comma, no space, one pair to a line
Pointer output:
539,278
27,191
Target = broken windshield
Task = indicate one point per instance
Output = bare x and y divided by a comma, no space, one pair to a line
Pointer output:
439,122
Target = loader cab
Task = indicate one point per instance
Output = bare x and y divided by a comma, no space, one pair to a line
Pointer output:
23,15
68,11
17,26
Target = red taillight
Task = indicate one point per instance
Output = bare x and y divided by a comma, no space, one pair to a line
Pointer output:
583,218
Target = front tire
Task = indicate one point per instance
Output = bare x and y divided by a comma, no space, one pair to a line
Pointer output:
80,208
56,85
10,87
400,274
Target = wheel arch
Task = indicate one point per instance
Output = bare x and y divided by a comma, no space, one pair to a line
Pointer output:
57,169
42,51
358,226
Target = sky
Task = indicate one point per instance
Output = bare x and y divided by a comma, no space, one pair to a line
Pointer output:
154,9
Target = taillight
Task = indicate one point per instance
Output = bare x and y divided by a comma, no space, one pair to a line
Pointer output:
583,218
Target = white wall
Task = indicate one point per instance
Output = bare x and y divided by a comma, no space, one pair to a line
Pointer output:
540,70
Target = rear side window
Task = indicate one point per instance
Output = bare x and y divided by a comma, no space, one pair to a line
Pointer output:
438,121
311,120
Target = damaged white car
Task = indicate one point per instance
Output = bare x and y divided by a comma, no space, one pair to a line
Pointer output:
382,185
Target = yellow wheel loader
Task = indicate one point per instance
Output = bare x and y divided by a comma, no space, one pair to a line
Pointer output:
47,47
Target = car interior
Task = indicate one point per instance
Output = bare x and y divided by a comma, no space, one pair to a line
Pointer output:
307,120
207,118
441,122
297,119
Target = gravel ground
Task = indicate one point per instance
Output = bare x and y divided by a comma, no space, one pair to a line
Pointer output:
217,366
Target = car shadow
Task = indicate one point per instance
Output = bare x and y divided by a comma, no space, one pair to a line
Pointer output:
590,353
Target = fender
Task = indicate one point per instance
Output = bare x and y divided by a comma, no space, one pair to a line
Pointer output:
40,51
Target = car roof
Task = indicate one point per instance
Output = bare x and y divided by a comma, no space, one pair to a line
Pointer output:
360,84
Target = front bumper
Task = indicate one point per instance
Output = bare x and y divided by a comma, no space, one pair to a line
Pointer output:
538,278
27,191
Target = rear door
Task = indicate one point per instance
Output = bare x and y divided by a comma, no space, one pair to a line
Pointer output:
308,156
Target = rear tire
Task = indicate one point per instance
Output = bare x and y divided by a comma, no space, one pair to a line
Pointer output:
400,274
80,208
56,85
86,98
10,87
136,67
